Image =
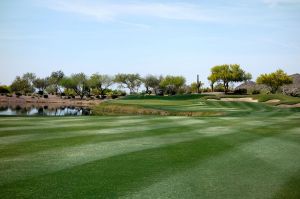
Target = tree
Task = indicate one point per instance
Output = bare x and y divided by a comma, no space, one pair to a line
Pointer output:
55,80
212,79
101,82
41,83
78,83
228,73
130,81
29,77
274,80
195,87
21,85
171,84
151,82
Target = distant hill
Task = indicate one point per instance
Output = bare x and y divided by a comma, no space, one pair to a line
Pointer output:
294,88
251,86
291,89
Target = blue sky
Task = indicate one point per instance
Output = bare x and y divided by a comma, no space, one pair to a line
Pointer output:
148,37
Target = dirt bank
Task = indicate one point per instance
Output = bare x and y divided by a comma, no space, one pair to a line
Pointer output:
51,101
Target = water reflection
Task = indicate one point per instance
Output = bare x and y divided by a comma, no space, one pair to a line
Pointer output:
44,111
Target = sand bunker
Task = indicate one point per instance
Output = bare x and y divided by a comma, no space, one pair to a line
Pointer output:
273,101
244,99
212,100
289,105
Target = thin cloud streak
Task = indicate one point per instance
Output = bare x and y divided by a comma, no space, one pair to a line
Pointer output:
112,12
281,2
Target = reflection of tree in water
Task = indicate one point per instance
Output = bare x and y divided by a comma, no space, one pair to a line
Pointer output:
45,110
21,110
40,111
3,108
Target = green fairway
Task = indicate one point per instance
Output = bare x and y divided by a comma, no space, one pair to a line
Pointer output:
244,150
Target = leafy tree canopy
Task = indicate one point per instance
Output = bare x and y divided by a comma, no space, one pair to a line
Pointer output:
171,84
21,85
41,83
274,80
130,81
55,80
228,73
152,81
101,82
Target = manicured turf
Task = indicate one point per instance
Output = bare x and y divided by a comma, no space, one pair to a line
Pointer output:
251,151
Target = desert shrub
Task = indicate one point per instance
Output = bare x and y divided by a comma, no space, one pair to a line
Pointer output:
45,96
160,92
240,91
123,93
255,92
18,94
114,96
219,88
205,90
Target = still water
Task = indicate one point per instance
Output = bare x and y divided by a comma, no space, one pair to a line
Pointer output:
44,111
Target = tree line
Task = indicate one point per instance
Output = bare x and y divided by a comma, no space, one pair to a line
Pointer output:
82,85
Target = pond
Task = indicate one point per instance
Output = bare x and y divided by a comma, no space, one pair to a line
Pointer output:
44,111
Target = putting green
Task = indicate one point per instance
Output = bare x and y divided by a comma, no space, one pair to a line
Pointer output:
253,151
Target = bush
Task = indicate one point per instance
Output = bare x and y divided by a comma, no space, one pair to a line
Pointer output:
18,94
123,93
240,91
219,88
114,96
4,89
255,92
205,90
160,92
45,96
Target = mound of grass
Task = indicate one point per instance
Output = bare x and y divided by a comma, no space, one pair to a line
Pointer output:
284,99
174,97
123,108
197,105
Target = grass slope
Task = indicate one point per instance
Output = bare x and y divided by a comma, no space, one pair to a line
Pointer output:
251,151
191,105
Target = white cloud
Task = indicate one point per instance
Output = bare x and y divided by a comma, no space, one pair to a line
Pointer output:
277,2
112,12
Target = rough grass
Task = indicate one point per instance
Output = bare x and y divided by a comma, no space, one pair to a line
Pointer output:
251,151
191,105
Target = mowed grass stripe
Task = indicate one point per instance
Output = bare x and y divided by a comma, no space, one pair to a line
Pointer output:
91,152
65,139
17,168
138,169
28,143
51,126
233,178
97,128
